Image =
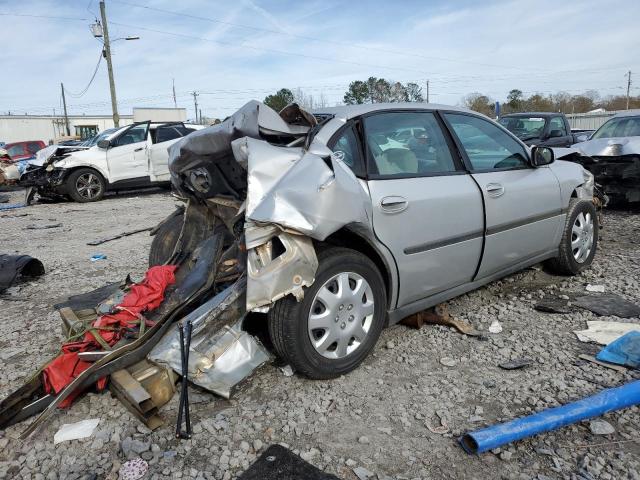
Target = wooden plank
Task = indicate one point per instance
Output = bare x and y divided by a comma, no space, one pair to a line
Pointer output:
592,359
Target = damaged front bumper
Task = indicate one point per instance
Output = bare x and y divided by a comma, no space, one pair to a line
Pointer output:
615,164
48,183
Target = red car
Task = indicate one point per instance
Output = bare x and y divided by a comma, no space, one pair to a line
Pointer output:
23,150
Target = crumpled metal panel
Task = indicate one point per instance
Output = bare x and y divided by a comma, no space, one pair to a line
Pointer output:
315,195
266,165
206,155
221,354
269,279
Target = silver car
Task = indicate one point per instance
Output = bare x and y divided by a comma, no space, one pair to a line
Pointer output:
359,216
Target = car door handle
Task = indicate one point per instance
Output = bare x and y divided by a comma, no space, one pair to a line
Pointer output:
139,149
393,204
495,190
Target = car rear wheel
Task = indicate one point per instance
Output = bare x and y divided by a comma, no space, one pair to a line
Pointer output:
338,322
85,185
579,239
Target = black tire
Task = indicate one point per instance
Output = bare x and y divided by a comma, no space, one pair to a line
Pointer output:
165,239
565,263
85,185
288,318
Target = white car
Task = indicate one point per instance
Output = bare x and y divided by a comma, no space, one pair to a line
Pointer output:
128,157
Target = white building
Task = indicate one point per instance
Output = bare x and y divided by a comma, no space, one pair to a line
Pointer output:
48,128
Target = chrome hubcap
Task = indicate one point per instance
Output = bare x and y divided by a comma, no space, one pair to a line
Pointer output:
582,237
88,185
341,315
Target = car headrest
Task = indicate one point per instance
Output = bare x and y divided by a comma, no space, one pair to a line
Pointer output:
402,158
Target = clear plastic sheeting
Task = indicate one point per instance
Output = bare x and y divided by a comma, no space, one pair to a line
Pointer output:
221,354
604,332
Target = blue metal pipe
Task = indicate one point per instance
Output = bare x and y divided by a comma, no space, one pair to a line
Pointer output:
606,401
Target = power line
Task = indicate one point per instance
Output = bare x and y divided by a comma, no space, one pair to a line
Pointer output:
95,71
315,39
40,16
269,50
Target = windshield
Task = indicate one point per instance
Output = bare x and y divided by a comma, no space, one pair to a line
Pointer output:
524,127
619,127
94,140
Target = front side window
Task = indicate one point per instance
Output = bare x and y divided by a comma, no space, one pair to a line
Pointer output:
134,135
15,150
525,128
557,123
406,143
619,127
486,145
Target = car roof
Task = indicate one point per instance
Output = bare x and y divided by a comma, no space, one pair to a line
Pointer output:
531,114
6,145
628,113
346,112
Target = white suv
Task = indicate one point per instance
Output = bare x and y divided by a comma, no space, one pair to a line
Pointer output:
130,157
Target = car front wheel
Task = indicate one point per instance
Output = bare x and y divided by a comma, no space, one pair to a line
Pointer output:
579,239
337,324
85,185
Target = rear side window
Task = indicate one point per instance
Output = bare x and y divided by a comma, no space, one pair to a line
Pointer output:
487,146
33,147
406,144
347,146
164,134
171,132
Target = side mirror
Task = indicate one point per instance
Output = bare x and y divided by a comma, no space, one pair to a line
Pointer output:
555,133
105,144
541,156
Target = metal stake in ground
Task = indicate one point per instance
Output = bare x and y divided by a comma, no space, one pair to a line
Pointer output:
183,407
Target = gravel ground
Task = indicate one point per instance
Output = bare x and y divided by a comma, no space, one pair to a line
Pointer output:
377,422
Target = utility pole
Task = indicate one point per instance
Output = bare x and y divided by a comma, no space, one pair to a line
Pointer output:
200,117
64,104
195,103
427,91
106,52
173,84
628,75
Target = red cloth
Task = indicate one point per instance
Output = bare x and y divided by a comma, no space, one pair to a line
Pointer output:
142,297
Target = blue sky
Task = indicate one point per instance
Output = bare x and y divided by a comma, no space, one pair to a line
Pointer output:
249,48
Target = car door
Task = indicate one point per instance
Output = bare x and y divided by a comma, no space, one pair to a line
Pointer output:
163,137
556,133
426,209
523,206
127,158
